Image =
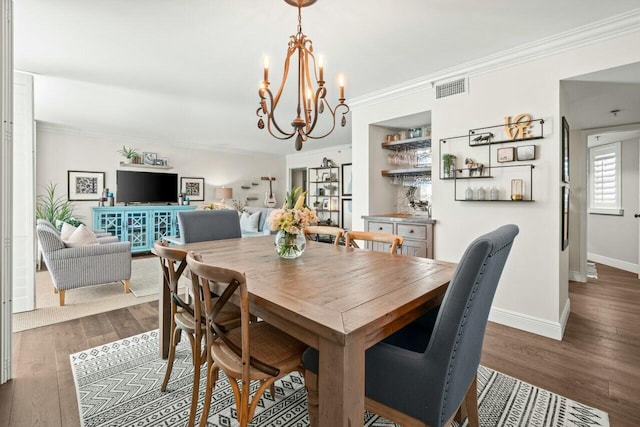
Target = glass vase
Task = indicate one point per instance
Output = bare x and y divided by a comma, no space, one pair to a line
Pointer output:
290,245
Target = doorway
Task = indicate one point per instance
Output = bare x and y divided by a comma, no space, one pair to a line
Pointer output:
298,178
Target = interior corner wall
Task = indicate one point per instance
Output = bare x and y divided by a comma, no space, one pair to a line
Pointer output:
60,151
532,294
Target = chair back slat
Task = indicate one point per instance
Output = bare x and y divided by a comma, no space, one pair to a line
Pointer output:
393,240
324,230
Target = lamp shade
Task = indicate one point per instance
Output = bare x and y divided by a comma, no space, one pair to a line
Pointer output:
224,193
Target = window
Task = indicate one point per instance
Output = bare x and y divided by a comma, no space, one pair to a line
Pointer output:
604,180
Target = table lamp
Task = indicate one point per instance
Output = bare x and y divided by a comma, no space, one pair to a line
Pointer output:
223,193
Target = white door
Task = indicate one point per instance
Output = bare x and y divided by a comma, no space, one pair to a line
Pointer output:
23,194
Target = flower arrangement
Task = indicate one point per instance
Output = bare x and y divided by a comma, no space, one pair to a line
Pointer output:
294,216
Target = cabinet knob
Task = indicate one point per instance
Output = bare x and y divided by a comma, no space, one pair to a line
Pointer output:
411,231
379,228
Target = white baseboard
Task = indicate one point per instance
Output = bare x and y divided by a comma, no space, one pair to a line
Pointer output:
575,276
616,263
532,324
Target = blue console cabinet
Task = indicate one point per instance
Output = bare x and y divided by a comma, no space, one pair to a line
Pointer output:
140,225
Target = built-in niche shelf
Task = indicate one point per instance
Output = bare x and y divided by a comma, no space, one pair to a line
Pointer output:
143,166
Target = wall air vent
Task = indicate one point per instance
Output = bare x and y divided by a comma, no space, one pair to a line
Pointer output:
453,87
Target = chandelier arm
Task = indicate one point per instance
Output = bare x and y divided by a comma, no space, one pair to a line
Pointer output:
265,94
320,94
333,118
285,74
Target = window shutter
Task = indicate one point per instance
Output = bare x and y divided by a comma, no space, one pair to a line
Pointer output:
605,177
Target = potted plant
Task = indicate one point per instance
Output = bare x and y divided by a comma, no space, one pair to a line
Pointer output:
448,165
54,209
129,154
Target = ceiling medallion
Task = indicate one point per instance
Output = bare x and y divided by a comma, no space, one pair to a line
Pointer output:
311,90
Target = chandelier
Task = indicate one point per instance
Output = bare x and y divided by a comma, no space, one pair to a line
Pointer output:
311,91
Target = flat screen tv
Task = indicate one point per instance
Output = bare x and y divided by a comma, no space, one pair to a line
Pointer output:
146,187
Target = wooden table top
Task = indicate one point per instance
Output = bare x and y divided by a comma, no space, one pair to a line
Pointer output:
334,291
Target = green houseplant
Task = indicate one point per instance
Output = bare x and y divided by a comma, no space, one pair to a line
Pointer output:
54,209
129,153
448,165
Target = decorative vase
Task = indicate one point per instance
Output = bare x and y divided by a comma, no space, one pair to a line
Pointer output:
290,245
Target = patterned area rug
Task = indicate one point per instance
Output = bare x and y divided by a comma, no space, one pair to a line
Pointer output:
118,384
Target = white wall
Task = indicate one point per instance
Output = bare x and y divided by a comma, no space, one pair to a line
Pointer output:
59,151
612,239
533,291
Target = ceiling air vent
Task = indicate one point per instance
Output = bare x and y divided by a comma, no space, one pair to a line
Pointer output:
451,88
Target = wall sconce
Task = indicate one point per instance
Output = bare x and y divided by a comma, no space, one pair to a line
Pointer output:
516,189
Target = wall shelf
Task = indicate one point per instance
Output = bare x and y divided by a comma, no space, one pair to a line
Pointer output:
422,171
401,144
480,136
529,186
135,165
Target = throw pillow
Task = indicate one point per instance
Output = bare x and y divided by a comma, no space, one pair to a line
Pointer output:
67,231
249,222
82,236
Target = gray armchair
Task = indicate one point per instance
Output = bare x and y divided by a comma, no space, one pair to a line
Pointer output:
205,225
73,268
427,371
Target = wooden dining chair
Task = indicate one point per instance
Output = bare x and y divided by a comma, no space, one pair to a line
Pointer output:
186,318
425,373
382,239
255,351
323,230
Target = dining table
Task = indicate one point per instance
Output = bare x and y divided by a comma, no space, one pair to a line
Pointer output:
337,300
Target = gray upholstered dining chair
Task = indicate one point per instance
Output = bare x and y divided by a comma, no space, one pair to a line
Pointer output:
425,372
205,225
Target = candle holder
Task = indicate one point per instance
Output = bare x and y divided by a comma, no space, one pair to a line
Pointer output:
516,189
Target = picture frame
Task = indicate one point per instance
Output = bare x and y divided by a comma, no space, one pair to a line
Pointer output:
84,185
325,204
325,176
565,150
346,179
526,152
149,158
193,188
346,214
506,154
564,238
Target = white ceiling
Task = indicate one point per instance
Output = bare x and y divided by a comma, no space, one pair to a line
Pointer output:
186,72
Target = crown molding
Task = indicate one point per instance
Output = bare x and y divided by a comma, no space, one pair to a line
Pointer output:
585,35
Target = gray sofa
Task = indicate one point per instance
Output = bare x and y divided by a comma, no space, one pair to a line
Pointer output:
263,223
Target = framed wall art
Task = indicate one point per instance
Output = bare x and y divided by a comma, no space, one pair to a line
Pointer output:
565,150
83,185
150,158
505,154
193,188
346,214
564,238
346,179
526,152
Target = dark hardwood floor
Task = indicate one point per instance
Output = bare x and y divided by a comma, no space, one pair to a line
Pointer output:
597,363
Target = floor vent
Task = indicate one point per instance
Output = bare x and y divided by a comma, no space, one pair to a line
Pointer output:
451,88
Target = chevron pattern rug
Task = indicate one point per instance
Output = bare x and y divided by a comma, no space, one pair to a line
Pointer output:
118,384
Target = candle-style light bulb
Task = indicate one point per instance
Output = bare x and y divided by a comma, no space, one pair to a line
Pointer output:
266,68
308,99
321,65
341,83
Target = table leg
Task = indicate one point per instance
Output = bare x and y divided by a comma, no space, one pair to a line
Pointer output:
341,383
164,319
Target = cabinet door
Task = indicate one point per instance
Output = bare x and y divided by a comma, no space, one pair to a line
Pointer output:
380,227
136,227
414,248
163,225
412,231
113,222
